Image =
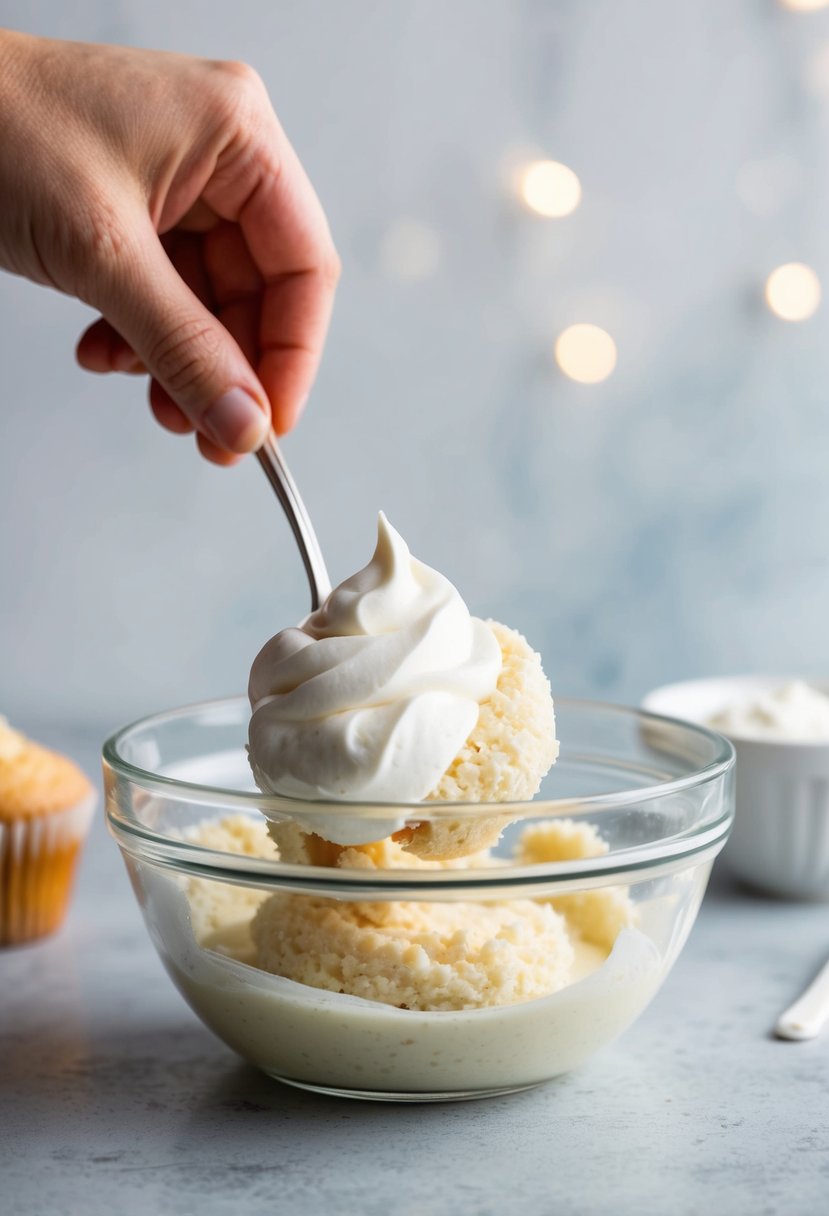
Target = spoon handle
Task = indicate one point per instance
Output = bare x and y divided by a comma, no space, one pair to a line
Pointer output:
806,1017
284,486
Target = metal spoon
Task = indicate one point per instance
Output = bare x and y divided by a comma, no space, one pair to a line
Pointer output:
284,486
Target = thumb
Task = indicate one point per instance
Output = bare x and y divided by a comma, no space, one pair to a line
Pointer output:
185,348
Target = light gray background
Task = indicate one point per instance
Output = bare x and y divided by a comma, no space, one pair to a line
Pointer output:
670,522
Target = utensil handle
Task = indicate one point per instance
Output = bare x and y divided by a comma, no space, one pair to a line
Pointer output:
807,1016
278,474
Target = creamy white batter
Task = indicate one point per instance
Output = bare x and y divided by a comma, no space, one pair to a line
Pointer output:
327,1039
342,1042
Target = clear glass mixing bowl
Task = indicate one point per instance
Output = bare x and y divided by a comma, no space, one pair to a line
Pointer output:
657,791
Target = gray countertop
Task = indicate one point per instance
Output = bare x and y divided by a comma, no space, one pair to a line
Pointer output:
115,1099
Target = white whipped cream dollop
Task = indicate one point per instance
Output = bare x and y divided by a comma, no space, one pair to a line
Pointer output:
795,712
374,694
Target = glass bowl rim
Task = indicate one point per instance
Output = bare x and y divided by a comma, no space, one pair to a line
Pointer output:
665,854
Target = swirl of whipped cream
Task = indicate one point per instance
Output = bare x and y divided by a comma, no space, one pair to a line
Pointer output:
374,694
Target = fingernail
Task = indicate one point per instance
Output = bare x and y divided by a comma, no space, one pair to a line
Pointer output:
235,421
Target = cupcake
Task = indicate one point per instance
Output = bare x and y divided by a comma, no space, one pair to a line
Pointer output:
46,806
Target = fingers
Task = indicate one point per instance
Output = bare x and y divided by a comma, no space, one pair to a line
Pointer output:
236,286
186,251
216,454
200,218
271,282
102,349
186,350
290,247
94,354
294,322
231,270
167,413
298,299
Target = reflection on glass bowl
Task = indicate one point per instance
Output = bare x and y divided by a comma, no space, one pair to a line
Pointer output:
593,890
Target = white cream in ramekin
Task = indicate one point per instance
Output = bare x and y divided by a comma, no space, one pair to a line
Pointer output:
780,839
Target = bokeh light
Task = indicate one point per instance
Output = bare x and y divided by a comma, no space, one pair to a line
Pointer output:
793,291
585,353
550,188
804,6
410,250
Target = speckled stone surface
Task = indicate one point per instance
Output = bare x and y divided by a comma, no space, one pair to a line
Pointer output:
115,1099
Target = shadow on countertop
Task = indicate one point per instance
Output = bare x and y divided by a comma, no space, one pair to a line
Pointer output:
177,1071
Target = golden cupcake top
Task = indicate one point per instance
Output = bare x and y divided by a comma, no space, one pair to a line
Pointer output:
35,780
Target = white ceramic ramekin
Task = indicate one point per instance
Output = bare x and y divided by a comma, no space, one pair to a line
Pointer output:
780,839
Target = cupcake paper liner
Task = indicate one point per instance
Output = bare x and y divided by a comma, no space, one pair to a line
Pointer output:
38,858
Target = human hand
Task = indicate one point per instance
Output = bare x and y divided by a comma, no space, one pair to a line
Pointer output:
161,190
